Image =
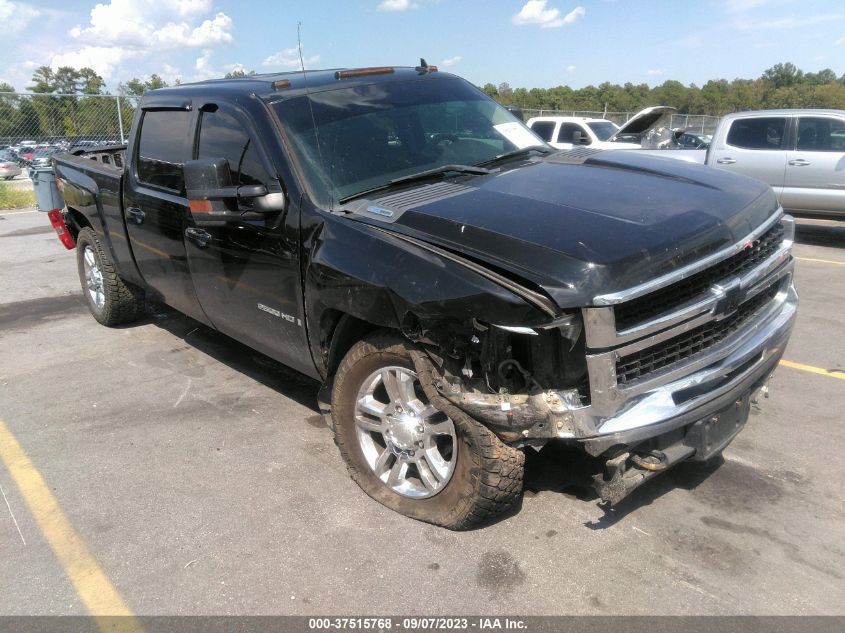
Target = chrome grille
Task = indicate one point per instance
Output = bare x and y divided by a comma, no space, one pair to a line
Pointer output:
687,346
667,299
689,321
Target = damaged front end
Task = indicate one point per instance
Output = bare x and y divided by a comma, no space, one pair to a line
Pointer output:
640,379
523,383
643,380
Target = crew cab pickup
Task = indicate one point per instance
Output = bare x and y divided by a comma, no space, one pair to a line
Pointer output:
463,292
799,153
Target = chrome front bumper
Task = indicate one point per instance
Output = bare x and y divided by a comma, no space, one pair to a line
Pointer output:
686,391
737,366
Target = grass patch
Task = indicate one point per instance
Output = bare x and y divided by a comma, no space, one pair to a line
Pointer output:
14,198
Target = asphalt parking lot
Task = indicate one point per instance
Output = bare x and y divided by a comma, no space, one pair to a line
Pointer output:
193,476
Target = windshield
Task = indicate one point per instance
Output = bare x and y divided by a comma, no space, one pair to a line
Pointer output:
369,135
603,129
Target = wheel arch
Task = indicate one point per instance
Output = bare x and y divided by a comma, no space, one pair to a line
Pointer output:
78,221
358,279
339,331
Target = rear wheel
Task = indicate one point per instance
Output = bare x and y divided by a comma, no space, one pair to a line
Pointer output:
111,300
434,465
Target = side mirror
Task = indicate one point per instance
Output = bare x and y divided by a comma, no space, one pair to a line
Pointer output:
213,199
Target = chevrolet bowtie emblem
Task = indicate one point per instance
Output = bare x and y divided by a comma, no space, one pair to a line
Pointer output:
729,297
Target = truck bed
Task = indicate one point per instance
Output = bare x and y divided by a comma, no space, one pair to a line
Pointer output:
92,185
109,156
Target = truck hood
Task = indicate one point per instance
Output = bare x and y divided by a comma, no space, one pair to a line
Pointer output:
580,224
642,121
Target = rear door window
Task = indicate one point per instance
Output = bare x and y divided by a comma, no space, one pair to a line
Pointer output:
568,129
163,148
821,134
765,133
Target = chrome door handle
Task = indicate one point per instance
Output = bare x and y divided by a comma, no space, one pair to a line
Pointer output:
799,162
198,236
725,161
136,214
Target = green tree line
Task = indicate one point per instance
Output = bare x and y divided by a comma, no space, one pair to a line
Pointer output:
88,113
781,86
73,103
68,102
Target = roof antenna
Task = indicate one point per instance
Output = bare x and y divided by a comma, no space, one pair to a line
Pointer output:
311,105
425,68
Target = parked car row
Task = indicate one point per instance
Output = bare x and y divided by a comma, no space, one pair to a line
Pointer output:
29,155
24,152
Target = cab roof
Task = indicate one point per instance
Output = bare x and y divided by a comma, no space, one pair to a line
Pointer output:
294,83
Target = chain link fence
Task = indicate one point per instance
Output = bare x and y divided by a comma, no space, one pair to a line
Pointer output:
34,126
63,120
701,123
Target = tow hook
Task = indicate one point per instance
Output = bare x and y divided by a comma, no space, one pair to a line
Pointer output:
654,460
629,470
762,391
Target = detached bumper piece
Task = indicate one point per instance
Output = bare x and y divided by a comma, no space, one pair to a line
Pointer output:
697,442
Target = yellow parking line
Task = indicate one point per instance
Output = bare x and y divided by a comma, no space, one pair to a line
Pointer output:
97,593
821,261
832,373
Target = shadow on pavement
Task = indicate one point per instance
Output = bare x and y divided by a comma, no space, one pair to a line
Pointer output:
563,469
261,368
820,234
687,476
556,468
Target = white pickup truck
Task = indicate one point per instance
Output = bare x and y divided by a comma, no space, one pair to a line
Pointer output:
800,153
566,132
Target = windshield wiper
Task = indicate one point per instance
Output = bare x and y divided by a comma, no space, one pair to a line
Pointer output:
517,153
422,175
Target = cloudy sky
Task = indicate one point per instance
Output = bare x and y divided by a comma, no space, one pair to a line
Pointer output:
528,43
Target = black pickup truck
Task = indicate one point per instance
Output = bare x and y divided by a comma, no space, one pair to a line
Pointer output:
463,291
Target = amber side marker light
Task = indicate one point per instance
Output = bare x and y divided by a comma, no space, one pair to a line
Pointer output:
361,72
281,84
199,206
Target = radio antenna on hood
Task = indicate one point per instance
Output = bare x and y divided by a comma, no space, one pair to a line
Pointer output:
311,106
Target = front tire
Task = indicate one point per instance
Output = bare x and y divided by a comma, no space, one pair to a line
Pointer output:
438,466
111,300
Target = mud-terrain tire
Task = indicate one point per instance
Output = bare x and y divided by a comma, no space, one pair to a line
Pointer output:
486,474
111,300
